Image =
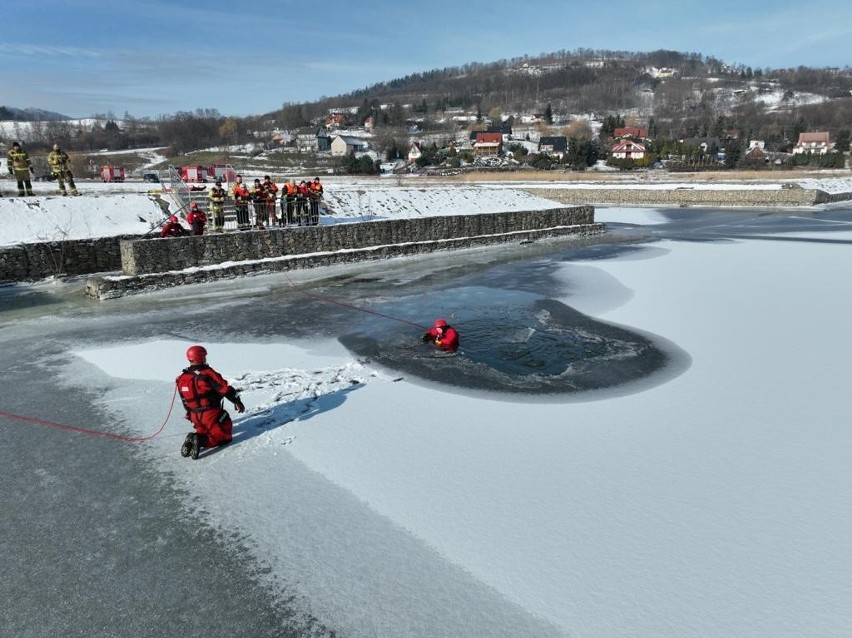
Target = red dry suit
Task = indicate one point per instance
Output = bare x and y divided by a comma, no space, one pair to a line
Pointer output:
173,229
444,337
196,218
201,389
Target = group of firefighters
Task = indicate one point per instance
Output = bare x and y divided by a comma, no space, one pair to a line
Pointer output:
21,167
299,204
202,389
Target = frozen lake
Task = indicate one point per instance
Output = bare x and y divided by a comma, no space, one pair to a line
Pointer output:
643,435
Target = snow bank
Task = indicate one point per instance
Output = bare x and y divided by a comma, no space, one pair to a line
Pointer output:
108,210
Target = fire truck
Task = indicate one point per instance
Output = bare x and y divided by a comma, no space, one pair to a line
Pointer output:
193,173
112,173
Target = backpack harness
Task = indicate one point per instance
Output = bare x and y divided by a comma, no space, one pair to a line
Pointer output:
193,399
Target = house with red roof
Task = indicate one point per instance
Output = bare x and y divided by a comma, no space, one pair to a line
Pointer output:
488,144
630,131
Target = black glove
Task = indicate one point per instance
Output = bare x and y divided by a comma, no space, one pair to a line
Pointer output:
426,338
238,406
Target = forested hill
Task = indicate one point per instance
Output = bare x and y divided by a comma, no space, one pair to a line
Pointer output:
666,85
673,95
29,115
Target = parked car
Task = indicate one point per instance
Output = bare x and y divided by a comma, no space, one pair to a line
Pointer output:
150,177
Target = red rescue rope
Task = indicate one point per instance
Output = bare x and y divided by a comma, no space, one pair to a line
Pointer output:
106,435
344,304
137,439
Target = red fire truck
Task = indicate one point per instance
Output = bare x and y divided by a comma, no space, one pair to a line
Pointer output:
112,173
193,173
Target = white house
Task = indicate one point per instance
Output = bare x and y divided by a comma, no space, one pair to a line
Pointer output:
628,149
415,152
343,145
813,142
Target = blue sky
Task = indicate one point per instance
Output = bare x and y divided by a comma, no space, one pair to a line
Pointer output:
244,57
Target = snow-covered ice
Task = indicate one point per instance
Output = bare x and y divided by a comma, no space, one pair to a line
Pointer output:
714,504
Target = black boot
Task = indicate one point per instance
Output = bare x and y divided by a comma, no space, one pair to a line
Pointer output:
186,446
198,442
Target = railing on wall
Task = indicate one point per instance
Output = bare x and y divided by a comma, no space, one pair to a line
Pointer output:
183,194
256,214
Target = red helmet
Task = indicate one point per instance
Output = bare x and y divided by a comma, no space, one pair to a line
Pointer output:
173,219
440,323
196,354
194,205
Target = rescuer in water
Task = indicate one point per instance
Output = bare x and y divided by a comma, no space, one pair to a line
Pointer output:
443,335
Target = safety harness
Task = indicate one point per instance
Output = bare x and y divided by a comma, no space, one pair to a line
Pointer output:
194,400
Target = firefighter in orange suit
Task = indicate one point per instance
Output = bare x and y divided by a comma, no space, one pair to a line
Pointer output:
241,196
315,188
288,201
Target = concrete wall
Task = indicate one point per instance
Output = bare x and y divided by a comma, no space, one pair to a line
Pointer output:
782,197
234,255
141,257
31,262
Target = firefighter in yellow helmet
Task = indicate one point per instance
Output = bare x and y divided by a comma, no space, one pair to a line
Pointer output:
19,164
60,166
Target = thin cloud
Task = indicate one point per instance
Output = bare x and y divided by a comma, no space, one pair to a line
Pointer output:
42,50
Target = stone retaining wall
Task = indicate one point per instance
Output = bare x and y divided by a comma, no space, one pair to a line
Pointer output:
238,254
31,262
141,257
684,196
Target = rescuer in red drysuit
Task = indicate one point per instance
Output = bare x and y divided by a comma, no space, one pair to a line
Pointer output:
196,218
201,389
173,228
443,335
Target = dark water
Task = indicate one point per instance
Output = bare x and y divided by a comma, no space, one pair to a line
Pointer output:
513,342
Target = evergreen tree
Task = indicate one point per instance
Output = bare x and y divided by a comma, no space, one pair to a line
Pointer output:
733,154
718,127
610,123
397,115
798,128
841,142
573,156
